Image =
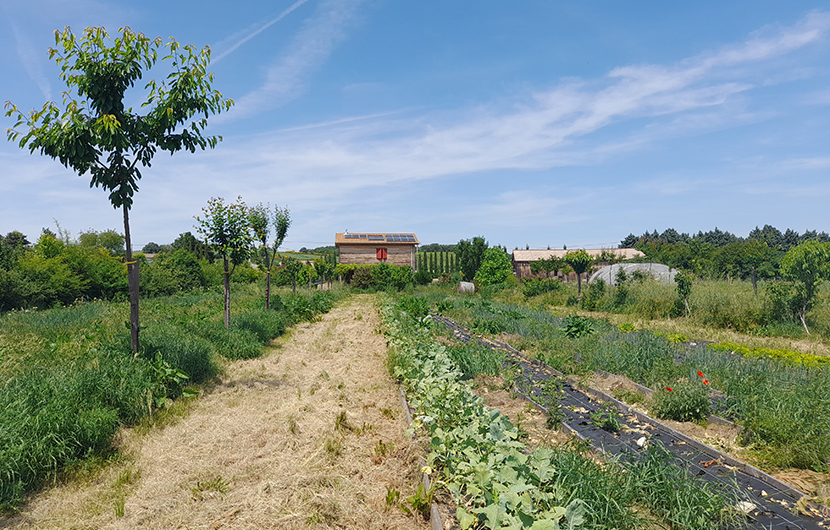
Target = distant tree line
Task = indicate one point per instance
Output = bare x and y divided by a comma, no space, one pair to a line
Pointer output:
722,254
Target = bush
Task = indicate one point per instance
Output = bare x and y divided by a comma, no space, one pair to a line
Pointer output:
495,269
683,401
537,286
362,278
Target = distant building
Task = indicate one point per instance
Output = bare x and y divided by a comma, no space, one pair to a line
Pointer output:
369,248
523,258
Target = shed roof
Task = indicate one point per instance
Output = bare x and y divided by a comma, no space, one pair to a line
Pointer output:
534,255
374,238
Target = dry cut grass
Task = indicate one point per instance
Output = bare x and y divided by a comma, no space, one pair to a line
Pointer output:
311,436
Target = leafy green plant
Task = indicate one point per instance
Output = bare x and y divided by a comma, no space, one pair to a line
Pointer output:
606,418
577,326
167,381
416,306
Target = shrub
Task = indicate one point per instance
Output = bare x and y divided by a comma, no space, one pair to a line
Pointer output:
362,278
537,286
495,269
683,401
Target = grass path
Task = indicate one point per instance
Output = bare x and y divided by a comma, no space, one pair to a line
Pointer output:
310,436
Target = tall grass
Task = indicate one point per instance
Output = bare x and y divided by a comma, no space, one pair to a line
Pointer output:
68,379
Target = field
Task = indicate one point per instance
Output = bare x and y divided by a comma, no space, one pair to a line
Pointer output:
271,422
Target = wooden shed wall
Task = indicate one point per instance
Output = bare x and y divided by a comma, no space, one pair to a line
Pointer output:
403,255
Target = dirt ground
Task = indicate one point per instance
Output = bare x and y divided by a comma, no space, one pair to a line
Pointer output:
310,436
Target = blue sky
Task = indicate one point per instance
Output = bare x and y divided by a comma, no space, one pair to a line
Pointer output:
529,123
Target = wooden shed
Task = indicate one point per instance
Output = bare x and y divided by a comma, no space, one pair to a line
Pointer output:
523,258
368,248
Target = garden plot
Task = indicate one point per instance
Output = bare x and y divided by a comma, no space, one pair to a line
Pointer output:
613,427
311,435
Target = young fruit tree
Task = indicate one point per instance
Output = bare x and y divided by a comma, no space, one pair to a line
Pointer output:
226,229
807,265
262,219
580,261
92,132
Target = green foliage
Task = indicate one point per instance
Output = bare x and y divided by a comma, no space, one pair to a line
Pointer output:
682,401
807,265
684,289
495,268
95,133
188,242
580,262
68,379
470,256
577,326
225,228
497,482
172,272
381,276
606,418
416,306
537,286
475,359
593,299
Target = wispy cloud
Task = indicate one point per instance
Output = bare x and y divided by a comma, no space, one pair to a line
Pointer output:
256,32
549,128
32,61
309,50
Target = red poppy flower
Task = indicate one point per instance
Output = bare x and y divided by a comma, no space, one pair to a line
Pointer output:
669,389
700,373
705,381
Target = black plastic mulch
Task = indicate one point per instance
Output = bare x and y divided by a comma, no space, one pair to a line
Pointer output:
546,388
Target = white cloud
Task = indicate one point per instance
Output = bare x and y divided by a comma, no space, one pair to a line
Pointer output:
250,35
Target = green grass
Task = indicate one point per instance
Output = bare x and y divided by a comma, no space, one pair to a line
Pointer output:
68,379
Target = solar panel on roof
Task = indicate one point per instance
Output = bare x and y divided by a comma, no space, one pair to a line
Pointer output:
352,236
362,236
375,238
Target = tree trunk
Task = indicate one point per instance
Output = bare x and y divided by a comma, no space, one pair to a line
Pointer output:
754,281
132,283
268,288
227,295
579,285
267,279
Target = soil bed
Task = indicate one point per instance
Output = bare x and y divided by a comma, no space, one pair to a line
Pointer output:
309,436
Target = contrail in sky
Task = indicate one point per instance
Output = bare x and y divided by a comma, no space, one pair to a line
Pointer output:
281,16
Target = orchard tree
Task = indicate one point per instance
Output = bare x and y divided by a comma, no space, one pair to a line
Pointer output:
92,131
226,229
807,264
580,261
262,219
